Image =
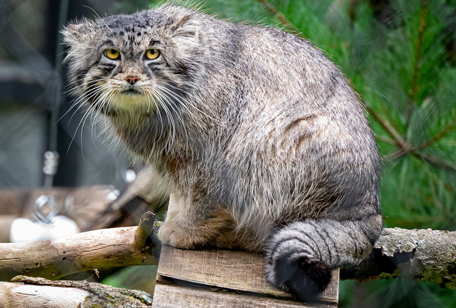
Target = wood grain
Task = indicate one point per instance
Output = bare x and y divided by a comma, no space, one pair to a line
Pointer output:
235,270
172,296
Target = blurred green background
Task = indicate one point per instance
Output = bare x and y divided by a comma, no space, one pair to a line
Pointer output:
400,56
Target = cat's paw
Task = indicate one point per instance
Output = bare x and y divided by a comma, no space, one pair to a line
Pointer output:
185,238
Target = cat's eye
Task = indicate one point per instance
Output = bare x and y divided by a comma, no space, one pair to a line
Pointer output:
152,54
112,54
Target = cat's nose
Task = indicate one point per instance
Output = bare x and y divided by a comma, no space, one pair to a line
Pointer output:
132,79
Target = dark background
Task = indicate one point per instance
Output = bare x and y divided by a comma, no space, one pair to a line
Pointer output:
33,86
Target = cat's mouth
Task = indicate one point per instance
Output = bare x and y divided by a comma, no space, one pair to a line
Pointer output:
131,92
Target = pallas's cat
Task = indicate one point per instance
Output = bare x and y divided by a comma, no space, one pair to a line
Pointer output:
255,135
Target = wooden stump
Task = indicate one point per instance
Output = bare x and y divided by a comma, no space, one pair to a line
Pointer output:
224,278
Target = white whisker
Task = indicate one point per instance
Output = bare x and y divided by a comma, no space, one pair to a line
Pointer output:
86,114
191,103
169,115
169,94
80,102
151,96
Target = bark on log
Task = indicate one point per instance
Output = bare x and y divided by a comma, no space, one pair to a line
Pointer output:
39,292
82,252
424,255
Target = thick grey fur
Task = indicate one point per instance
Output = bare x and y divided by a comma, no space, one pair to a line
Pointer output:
256,135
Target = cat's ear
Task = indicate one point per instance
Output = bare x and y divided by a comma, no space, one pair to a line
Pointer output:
185,31
75,33
180,23
77,36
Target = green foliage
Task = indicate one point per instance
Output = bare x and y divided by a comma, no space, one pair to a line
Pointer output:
140,277
400,57
401,293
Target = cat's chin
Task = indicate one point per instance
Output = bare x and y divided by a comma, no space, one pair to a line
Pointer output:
133,102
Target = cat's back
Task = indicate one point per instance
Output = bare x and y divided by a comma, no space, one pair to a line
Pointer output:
290,92
298,119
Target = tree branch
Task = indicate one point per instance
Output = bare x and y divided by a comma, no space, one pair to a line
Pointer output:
386,140
83,252
390,118
280,16
424,255
433,160
430,159
400,142
40,292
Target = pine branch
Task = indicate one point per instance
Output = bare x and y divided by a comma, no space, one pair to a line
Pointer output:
400,142
386,140
419,46
390,118
280,16
433,160
440,135
397,154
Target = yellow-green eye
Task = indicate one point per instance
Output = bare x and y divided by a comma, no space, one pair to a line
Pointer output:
152,54
112,54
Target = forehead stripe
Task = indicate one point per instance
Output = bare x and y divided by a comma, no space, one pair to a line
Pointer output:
107,43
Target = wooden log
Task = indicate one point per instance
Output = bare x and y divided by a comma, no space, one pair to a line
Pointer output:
32,296
82,252
422,255
39,292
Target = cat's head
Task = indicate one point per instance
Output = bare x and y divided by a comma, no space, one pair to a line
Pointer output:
139,63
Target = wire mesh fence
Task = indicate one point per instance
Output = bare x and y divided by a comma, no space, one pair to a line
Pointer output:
35,113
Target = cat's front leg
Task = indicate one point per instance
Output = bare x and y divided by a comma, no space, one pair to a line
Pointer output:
193,223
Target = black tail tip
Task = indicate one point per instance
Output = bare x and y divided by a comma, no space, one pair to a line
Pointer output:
306,278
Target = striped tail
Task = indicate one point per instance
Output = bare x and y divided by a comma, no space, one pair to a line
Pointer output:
301,255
